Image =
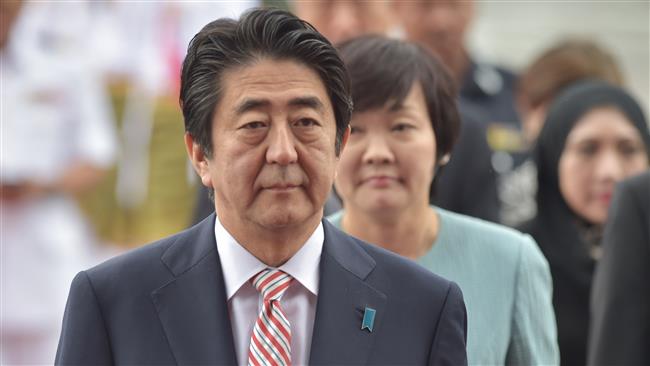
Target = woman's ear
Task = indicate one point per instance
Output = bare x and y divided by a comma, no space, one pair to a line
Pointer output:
444,159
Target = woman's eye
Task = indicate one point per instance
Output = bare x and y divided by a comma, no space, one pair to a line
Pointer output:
585,148
628,149
402,127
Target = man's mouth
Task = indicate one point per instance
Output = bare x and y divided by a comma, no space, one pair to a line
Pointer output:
282,187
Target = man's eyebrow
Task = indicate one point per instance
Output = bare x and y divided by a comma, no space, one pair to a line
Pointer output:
251,104
309,102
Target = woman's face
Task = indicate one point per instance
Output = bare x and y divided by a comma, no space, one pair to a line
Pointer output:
389,160
602,149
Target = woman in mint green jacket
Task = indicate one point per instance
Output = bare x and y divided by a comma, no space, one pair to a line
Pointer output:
403,128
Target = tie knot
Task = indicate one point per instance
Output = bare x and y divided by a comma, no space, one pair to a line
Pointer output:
272,283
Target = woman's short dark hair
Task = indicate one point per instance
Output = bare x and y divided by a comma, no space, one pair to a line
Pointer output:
383,70
259,33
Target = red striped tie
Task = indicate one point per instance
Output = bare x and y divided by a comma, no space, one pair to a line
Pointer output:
271,338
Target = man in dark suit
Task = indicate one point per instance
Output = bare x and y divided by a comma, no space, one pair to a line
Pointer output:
620,298
266,104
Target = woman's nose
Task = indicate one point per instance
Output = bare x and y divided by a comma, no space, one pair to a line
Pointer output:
378,151
609,167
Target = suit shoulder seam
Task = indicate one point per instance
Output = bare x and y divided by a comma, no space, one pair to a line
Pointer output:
99,306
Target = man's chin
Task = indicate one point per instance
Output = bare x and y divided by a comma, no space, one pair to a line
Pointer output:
278,218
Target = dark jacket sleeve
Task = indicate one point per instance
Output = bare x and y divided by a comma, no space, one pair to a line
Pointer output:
620,325
450,340
84,339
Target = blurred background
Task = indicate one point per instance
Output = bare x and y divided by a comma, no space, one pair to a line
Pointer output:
514,33
93,160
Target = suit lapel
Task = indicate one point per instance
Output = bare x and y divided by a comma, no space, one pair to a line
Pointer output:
193,308
343,296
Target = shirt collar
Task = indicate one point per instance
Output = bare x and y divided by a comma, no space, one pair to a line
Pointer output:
239,265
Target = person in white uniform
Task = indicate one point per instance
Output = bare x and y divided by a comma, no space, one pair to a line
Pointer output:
57,139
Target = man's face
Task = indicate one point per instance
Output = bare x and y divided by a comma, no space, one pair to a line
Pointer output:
438,24
273,137
340,20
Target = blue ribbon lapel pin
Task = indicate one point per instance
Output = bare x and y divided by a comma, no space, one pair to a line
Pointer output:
368,319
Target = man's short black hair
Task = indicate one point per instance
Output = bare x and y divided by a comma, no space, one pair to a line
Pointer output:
384,70
259,33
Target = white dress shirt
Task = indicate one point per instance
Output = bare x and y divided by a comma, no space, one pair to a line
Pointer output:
245,302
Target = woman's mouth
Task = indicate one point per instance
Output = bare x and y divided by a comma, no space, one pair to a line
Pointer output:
379,181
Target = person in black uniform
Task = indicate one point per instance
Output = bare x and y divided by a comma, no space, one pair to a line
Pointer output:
454,187
486,97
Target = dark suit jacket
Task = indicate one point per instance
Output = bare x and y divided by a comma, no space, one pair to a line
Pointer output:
165,303
620,302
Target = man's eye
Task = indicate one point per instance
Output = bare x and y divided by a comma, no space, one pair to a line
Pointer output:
254,125
306,122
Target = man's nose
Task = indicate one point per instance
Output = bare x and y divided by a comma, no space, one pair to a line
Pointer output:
281,146
378,151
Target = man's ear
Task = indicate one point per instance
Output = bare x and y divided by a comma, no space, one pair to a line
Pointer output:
199,160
